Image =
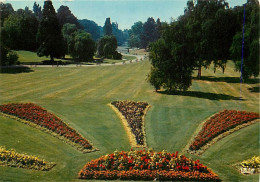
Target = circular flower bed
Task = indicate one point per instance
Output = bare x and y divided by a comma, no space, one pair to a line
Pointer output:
220,123
133,113
39,116
146,165
13,159
250,166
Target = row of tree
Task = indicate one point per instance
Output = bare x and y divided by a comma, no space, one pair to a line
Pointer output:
54,34
141,34
208,32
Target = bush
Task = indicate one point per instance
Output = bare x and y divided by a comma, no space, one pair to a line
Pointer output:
8,57
117,56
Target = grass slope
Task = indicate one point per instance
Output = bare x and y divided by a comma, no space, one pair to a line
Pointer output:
80,96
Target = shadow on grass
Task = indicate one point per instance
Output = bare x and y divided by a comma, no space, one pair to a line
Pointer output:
227,79
255,89
15,70
203,95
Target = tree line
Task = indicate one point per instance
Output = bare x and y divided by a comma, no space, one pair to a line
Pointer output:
208,32
55,34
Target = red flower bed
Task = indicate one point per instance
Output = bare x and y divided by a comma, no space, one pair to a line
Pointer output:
142,165
133,112
220,123
38,115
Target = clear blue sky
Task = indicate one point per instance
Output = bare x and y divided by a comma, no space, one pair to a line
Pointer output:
125,12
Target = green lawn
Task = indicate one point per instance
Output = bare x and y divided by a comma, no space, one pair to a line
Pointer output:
80,95
27,57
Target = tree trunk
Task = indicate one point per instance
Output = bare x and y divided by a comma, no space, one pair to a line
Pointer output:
199,72
52,59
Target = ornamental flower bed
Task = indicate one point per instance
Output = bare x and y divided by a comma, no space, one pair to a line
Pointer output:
134,113
250,166
43,119
13,159
220,123
146,165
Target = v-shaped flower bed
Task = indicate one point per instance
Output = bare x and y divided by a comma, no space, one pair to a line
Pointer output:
13,159
221,125
132,115
142,165
38,117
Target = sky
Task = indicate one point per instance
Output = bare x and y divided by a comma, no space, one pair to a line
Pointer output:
124,12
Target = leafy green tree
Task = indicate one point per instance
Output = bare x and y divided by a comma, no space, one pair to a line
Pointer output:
150,32
5,10
68,32
37,10
172,59
49,34
20,30
135,35
64,16
7,57
107,47
251,41
108,27
92,28
118,34
84,46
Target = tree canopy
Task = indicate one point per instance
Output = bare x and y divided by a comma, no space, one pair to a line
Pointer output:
108,27
49,33
64,16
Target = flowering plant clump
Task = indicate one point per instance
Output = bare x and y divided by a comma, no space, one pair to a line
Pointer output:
220,123
133,112
39,116
14,159
254,162
146,165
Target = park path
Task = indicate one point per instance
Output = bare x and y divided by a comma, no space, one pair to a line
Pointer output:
137,59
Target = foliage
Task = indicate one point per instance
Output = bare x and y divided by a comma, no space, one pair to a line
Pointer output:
64,16
172,59
68,33
133,113
120,36
20,30
37,10
5,10
8,57
150,32
92,28
13,159
135,34
107,47
142,165
254,162
107,27
220,123
39,116
251,41
84,47
49,34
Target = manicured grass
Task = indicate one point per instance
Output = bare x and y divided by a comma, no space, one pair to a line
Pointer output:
80,95
27,57
31,57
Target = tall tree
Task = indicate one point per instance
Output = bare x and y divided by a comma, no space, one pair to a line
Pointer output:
250,55
84,46
135,34
108,27
5,10
172,59
49,34
37,10
64,16
20,30
91,27
118,34
68,32
150,32
107,47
